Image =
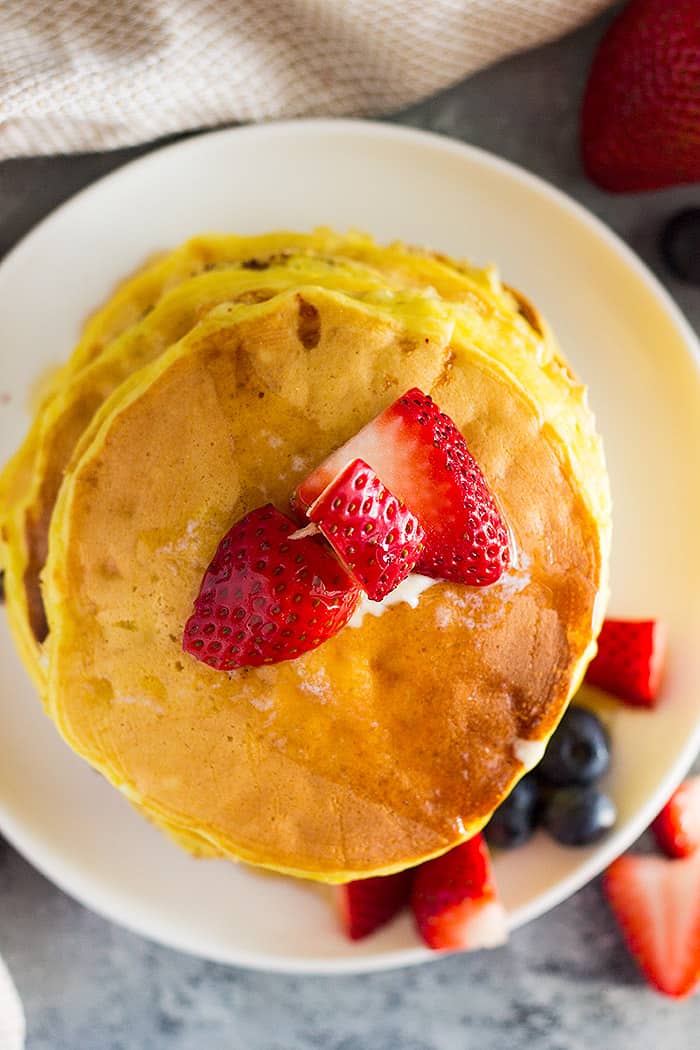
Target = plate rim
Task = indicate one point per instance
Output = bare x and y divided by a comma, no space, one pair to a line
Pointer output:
78,885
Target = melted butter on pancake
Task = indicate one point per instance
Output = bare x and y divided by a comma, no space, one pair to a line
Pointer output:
409,591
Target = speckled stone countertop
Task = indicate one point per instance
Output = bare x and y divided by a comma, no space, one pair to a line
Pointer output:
564,982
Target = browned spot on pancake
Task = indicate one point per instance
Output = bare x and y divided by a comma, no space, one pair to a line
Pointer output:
308,324
276,259
527,310
35,606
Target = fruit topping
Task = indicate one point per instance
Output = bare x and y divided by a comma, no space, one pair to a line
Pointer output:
377,539
367,904
422,458
578,752
266,598
657,904
630,660
578,816
677,827
640,124
516,818
455,901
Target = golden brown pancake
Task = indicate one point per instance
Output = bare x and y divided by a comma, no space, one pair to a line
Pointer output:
396,739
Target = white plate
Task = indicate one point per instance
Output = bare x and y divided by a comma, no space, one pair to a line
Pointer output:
622,333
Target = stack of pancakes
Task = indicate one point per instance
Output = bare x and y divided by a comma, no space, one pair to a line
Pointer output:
214,381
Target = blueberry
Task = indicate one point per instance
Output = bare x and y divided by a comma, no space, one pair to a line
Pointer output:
514,821
579,751
579,816
680,245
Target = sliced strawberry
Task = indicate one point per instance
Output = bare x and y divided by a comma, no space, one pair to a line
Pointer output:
266,598
657,904
677,827
375,536
455,901
367,904
422,458
630,660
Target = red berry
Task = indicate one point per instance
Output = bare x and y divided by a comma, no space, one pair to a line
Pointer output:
367,904
657,904
677,827
455,901
422,458
640,125
375,536
630,660
266,598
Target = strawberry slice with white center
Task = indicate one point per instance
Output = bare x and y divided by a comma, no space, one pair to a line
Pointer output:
374,535
630,660
657,904
422,458
367,904
677,827
455,901
266,597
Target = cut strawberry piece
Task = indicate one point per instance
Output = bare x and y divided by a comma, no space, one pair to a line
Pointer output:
657,904
266,598
375,536
640,127
367,904
677,827
422,458
455,901
630,660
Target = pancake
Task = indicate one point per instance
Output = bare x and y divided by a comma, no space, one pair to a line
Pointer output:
156,308
397,738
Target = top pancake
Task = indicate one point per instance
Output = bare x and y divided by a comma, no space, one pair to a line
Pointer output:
396,739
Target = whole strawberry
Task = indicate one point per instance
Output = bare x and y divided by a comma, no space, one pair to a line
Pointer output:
640,125
266,598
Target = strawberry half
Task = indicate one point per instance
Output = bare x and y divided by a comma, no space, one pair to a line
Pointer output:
375,536
640,125
630,660
657,904
422,458
455,901
266,598
367,904
677,827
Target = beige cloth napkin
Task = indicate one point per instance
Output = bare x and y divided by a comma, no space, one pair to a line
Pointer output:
95,74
